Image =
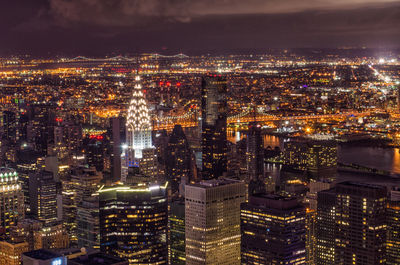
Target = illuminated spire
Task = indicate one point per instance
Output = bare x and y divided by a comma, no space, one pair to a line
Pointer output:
138,124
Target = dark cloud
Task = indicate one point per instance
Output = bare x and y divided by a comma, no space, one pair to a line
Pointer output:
104,26
141,12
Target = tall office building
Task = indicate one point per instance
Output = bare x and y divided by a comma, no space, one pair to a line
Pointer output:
43,197
140,151
177,232
212,221
9,123
214,114
273,230
11,199
351,224
133,223
255,159
393,235
86,181
311,240
177,158
255,152
69,204
117,125
88,223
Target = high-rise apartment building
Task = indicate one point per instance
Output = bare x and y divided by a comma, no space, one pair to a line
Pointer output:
11,199
273,230
212,221
351,224
133,223
214,115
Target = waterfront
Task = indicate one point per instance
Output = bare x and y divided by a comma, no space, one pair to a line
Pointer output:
387,159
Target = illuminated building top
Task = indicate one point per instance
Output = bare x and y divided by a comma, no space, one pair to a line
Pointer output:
138,124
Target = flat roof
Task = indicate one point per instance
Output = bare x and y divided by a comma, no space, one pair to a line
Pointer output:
41,254
214,182
97,258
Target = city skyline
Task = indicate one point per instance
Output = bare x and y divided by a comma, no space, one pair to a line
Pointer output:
172,132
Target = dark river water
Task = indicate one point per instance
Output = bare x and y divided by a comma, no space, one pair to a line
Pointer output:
381,158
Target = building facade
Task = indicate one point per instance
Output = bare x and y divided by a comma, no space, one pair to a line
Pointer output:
273,230
139,151
351,224
11,199
43,197
317,157
177,158
177,232
393,235
133,223
214,115
212,221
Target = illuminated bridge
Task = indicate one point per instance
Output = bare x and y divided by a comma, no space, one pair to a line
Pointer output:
190,119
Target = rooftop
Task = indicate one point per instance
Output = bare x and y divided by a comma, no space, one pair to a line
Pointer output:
96,259
215,182
41,254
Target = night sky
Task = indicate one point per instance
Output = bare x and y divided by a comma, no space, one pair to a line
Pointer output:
95,27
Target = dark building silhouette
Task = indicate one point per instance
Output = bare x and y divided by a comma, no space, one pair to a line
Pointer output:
43,197
351,224
273,230
177,232
117,138
9,124
177,158
214,142
133,223
255,159
40,129
95,147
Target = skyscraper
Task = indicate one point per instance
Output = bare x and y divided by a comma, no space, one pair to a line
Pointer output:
43,197
10,125
88,223
11,199
214,114
393,235
177,158
133,223
255,159
116,148
140,151
177,232
212,221
273,230
351,224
